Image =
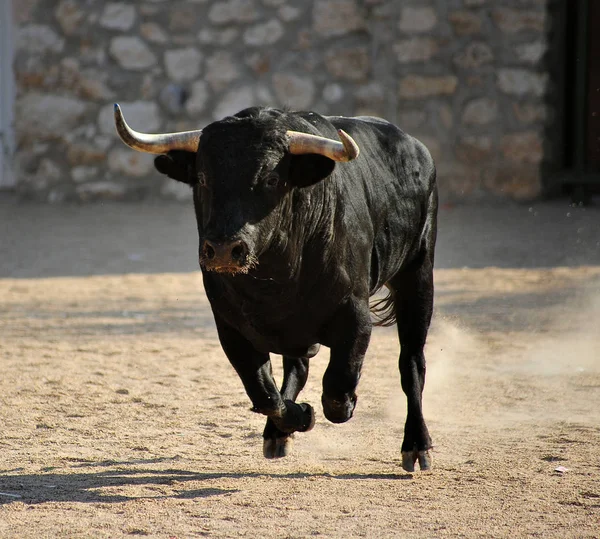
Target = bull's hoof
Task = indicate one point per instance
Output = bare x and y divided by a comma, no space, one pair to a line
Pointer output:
410,457
276,448
338,411
277,439
310,418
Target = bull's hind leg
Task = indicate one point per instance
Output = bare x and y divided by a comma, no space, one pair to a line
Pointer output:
277,443
414,306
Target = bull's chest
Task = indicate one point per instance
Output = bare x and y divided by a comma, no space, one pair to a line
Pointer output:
280,327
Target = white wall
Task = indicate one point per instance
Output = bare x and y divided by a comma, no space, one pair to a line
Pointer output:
6,95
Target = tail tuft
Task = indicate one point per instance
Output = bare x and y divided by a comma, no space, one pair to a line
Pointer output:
384,310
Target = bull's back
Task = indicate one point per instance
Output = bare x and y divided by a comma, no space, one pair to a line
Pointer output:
396,175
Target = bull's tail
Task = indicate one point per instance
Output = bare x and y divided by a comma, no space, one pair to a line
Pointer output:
384,310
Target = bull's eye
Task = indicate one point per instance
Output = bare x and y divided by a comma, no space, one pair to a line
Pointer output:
272,180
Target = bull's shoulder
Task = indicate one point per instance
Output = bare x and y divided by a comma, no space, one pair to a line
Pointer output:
383,140
386,150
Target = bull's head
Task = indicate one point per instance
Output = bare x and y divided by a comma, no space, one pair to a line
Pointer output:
242,170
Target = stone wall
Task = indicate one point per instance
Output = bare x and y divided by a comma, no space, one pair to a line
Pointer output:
467,77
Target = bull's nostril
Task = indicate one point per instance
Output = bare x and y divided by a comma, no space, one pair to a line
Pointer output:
237,253
209,251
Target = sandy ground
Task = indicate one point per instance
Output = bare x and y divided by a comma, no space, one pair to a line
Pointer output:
120,415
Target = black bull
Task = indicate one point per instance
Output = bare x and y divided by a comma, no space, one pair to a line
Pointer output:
293,244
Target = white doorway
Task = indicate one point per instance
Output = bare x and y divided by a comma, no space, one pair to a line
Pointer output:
7,93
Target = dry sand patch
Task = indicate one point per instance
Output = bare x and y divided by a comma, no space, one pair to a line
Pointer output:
121,416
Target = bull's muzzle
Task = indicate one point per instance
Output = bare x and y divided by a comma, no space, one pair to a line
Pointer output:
226,256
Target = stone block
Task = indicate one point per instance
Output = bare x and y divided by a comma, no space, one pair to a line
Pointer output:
337,17
152,32
221,70
480,111
69,16
457,181
263,34
525,147
85,153
38,39
529,113
233,11
183,19
131,53
221,37
465,23
417,19
370,96
521,183
259,62
293,90
474,55
198,97
418,87
84,174
118,16
183,64
91,85
130,163
351,63
474,149
263,95
103,190
49,171
446,115
522,82
289,13
411,120
43,116
234,101
23,10
333,93
147,10
416,49
512,21
531,53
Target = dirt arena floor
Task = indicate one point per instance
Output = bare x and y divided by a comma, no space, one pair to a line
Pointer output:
120,415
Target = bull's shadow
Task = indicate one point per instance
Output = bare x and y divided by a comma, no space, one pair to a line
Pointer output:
85,485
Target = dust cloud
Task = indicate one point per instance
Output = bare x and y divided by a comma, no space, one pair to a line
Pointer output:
527,358
521,352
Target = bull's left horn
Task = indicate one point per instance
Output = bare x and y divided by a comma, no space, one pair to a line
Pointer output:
305,143
157,144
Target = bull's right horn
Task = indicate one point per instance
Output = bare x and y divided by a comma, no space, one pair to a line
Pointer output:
157,144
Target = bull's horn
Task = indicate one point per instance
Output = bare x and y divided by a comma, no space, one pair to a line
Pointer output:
304,143
157,144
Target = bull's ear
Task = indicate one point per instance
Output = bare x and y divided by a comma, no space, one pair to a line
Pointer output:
309,169
179,165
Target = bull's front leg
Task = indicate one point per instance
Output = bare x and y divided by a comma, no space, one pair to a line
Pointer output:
349,336
276,443
254,369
